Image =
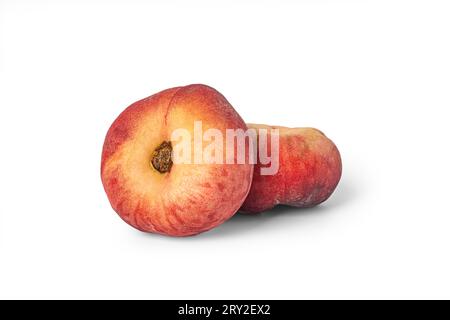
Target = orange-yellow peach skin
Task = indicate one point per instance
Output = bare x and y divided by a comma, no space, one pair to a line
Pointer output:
309,170
154,195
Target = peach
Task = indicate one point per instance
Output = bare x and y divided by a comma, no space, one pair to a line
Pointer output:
147,188
309,170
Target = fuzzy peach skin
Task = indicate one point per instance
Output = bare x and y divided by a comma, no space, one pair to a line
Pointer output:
309,170
188,199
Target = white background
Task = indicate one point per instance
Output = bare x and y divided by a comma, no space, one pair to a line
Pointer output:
373,75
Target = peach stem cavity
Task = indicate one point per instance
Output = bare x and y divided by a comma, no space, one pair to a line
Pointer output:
162,157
